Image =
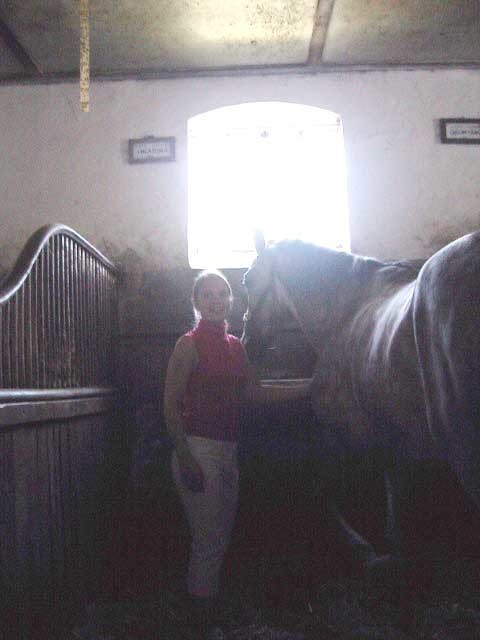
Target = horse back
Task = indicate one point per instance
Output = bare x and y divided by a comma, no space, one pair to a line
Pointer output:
447,335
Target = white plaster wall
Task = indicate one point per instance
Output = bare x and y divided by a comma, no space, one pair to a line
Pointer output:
407,192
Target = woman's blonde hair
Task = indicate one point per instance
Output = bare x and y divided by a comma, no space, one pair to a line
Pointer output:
197,285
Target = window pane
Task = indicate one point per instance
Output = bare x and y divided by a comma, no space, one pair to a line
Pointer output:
285,176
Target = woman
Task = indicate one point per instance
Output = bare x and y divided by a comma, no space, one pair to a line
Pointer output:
208,374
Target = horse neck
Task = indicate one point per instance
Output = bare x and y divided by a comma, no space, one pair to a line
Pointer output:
323,308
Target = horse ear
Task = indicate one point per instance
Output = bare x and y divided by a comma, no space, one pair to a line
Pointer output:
259,241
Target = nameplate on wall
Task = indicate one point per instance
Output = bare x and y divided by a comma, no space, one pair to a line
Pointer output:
460,130
151,149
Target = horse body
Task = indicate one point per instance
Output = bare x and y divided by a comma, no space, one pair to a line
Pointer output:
398,347
447,335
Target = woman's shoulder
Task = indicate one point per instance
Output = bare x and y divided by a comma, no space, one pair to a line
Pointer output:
187,336
185,347
234,340
236,344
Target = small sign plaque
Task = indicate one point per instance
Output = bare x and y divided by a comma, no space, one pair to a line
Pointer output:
151,149
460,130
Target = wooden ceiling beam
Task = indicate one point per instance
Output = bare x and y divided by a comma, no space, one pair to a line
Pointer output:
320,28
234,72
16,48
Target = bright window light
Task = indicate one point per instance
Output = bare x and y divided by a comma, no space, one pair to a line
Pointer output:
274,166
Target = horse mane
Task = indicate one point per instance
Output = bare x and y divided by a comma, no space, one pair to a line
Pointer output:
298,261
302,265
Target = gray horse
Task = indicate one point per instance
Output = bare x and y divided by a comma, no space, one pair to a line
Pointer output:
397,347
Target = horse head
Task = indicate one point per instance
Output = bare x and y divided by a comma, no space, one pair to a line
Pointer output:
299,281
269,308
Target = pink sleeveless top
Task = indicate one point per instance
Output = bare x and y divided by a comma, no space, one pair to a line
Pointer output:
212,395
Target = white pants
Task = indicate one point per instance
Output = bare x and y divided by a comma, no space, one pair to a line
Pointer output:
210,514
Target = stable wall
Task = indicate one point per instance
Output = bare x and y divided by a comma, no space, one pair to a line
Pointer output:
408,193
406,190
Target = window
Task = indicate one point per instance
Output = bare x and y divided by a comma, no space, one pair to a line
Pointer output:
278,167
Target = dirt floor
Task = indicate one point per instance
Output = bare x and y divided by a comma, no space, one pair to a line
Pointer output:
436,602
280,584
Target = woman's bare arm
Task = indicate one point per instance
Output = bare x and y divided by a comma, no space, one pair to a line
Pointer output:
180,366
272,392
182,362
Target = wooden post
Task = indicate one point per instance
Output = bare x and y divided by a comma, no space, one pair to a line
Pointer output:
84,56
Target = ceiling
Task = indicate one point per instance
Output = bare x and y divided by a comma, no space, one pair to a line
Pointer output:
39,39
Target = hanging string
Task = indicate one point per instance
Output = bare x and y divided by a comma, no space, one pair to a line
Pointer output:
84,56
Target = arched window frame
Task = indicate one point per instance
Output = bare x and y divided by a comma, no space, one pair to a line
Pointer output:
242,160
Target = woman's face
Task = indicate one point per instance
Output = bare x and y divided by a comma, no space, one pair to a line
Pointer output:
213,299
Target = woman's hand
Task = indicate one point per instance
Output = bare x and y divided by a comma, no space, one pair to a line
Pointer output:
191,473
